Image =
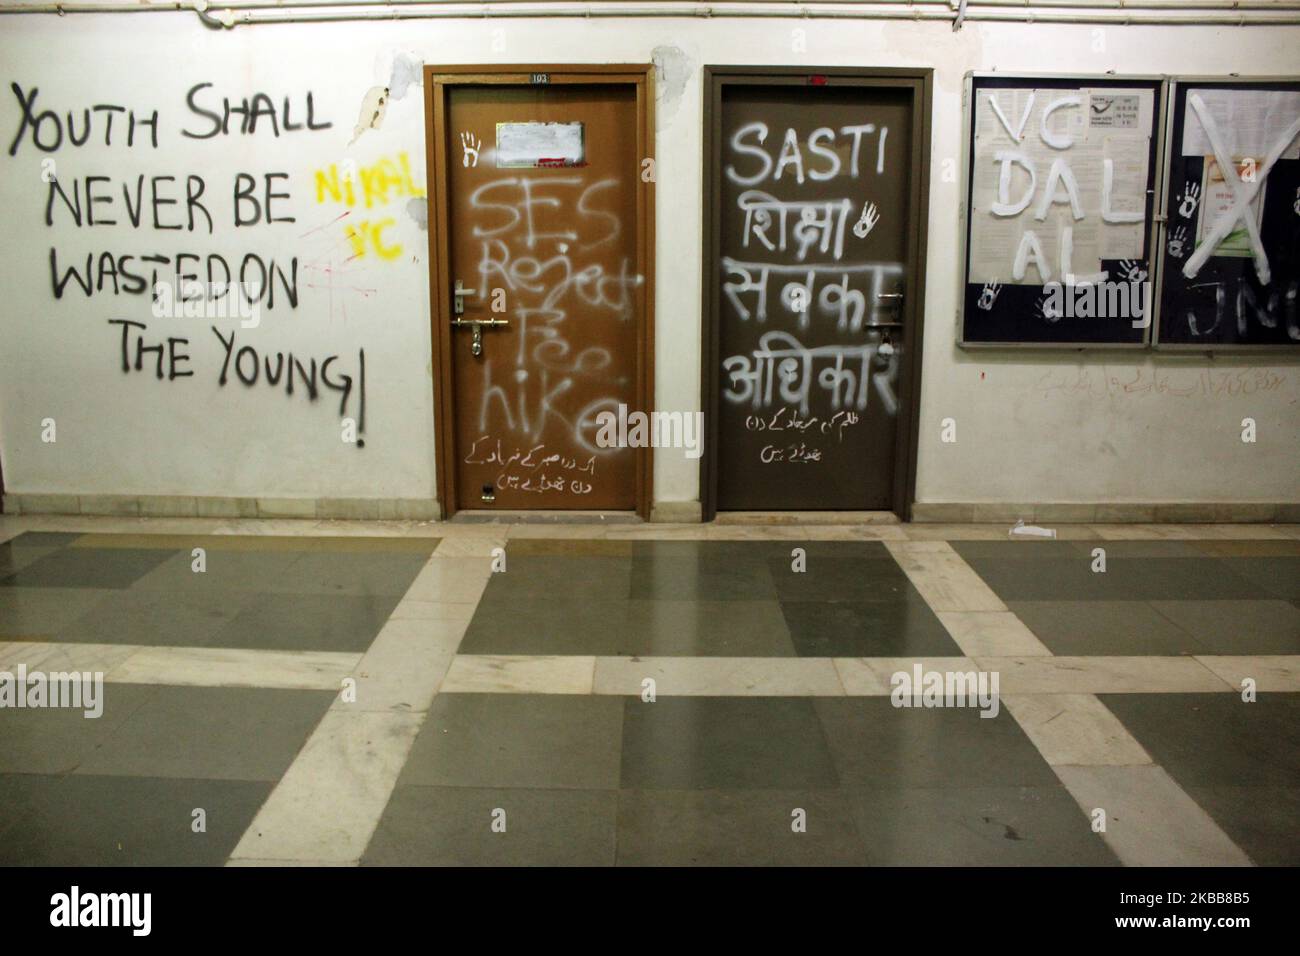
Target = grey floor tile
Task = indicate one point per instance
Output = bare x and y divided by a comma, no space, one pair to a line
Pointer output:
877,745
13,558
724,743
306,622
841,579
49,540
210,733
543,741
759,551
1216,739
123,821
453,826
251,571
156,618
1279,575
1020,550
357,574
977,826
59,740
705,629
42,612
88,568
573,547
1140,549
540,576
742,578
736,828
1125,579
1045,579
1118,628
1260,820
1237,627
867,629
25,549
560,624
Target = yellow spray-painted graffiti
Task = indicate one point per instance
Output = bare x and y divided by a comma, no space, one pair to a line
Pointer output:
367,234
380,183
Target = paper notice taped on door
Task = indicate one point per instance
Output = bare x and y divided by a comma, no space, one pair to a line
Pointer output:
533,145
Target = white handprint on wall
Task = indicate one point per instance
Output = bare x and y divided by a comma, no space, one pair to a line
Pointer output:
1178,242
1050,312
989,295
1133,271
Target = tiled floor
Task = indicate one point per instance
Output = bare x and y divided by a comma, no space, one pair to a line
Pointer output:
633,694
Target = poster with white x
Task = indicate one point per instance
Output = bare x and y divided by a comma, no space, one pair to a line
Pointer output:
1242,189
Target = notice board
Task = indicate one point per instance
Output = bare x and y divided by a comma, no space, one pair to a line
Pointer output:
1230,253
1061,186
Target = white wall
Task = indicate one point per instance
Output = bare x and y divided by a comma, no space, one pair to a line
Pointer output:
1054,427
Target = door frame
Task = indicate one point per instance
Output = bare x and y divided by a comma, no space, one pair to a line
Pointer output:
920,83
439,81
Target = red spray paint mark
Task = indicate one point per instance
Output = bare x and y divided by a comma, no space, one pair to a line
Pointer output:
326,226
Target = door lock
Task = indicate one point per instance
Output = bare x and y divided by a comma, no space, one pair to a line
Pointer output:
476,326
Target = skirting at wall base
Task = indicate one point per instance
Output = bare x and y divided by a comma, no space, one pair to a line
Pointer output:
679,512
806,517
1176,512
181,506
420,509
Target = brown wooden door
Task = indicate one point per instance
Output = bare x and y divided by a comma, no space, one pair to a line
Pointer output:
815,185
542,196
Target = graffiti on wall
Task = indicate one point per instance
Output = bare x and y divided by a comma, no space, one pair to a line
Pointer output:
182,245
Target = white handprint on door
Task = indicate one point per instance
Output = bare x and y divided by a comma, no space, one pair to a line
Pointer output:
470,147
862,228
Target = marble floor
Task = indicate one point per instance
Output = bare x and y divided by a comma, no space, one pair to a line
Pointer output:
280,692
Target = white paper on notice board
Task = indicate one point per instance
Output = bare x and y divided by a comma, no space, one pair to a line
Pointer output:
1023,139
529,145
1250,121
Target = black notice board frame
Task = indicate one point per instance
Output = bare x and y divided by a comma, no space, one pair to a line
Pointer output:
1242,270
968,292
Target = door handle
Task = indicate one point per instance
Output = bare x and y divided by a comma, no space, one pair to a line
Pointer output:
458,297
476,326
889,295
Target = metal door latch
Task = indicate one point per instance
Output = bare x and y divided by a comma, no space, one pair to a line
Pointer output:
476,326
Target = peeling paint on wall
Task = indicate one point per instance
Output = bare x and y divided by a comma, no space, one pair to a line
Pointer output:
408,71
418,210
673,67
372,112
